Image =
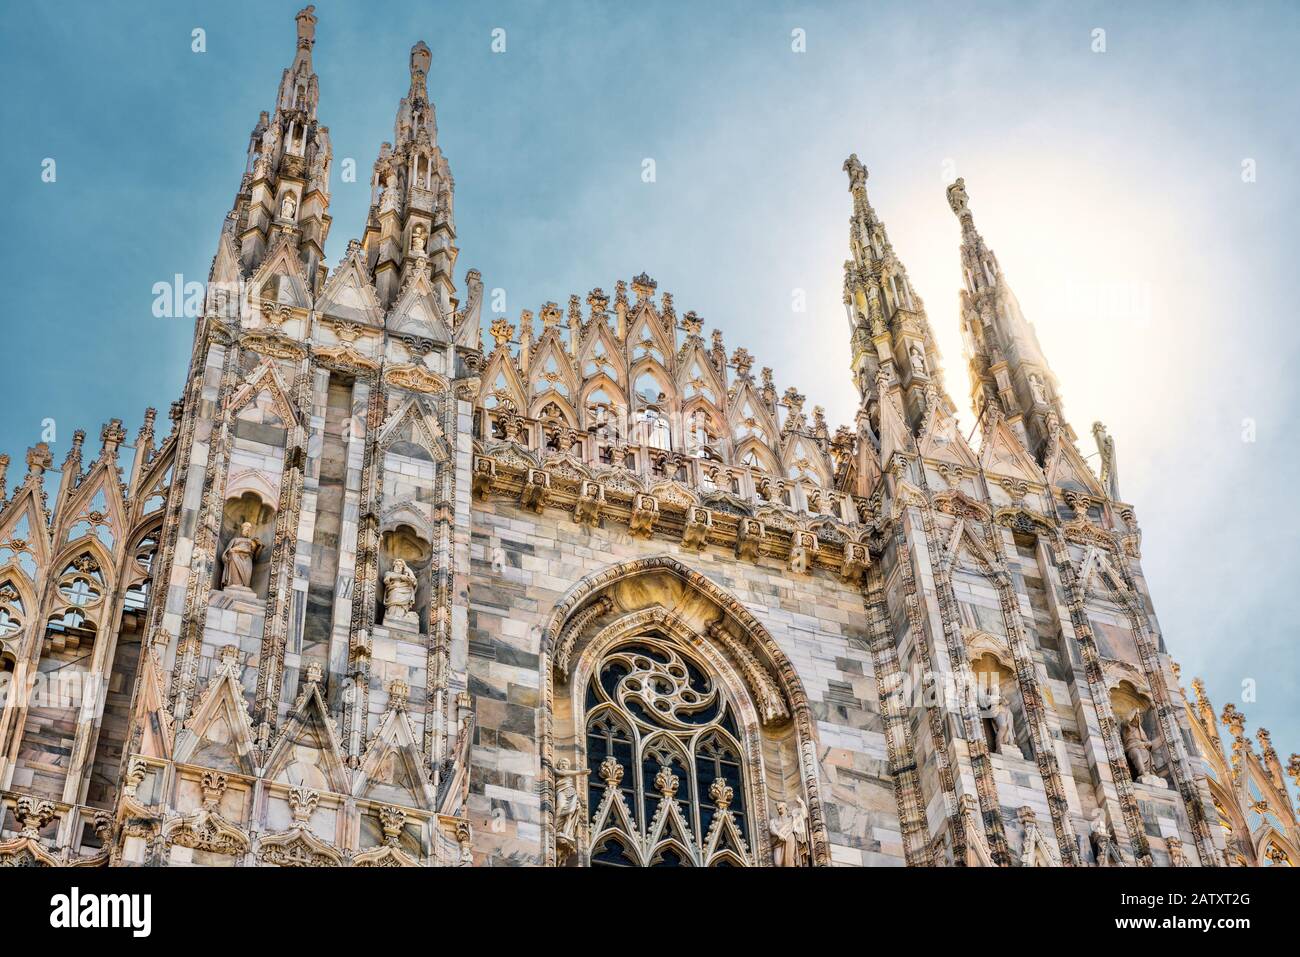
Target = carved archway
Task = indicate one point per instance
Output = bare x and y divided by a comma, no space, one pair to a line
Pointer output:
663,594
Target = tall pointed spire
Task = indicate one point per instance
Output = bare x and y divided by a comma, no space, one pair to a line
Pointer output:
1007,367
285,187
411,225
890,331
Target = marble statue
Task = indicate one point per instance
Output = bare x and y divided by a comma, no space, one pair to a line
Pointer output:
239,557
918,360
288,206
1037,388
790,835
1137,746
568,807
1004,726
417,241
399,593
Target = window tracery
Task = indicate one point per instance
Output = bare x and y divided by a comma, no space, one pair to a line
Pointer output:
11,610
81,590
137,595
667,783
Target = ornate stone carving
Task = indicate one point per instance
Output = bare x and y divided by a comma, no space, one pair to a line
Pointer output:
399,594
645,512
790,835
699,522
237,573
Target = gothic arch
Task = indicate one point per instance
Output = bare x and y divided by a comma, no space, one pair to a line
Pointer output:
742,654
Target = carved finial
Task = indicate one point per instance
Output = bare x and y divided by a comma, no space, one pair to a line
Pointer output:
743,362
229,659
145,435
72,461
4,470
1235,720
38,460
32,815
551,315
1293,769
213,784
611,772
392,820
644,287
722,793
111,436
667,782
303,801
398,692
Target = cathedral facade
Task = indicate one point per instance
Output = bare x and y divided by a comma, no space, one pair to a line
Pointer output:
592,592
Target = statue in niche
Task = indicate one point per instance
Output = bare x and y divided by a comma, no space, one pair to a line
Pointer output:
790,835
399,593
418,240
1102,841
918,360
1137,746
1037,387
288,206
238,558
568,809
1004,726
498,558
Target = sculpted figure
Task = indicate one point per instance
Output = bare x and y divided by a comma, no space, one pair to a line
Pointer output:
790,835
1136,745
417,241
238,558
399,592
1037,388
799,559
1003,725
918,360
568,809
288,206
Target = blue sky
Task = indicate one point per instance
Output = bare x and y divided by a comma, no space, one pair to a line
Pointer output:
1110,185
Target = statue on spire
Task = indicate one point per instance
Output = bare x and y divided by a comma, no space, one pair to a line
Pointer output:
306,18
857,173
1106,448
420,60
958,199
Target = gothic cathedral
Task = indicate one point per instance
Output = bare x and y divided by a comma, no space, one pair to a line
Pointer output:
591,593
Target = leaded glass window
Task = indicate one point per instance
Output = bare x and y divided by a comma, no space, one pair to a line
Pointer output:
668,781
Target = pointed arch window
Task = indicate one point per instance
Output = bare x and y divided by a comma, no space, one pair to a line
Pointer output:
653,430
668,779
20,553
599,363
11,610
137,595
